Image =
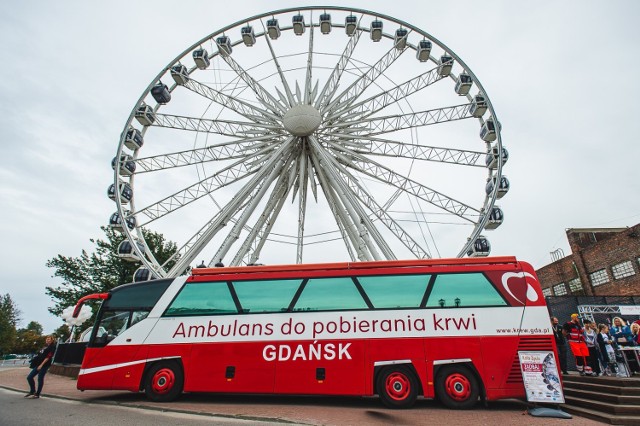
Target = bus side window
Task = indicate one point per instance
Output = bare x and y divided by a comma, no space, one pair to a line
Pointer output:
464,290
203,298
395,291
330,294
266,295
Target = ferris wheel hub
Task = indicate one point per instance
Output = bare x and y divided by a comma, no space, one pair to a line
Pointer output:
302,120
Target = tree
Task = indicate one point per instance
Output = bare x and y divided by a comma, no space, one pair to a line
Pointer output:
28,341
9,318
101,270
36,327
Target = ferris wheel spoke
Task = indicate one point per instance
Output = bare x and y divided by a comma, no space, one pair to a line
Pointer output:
309,74
256,197
224,177
222,127
368,232
288,101
381,213
262,228
390,148
224,151
385,175
261,93
247,192
347,229
301,182
353,92
232,103
331,86
380,101
380,125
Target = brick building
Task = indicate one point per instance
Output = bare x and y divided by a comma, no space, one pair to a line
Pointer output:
603,261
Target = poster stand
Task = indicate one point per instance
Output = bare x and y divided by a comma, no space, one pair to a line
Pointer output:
542,383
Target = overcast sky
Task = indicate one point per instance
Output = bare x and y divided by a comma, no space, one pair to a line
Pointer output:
562,77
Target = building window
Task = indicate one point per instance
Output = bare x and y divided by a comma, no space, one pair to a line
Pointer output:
546,292
621,270
560,289
575,285
599,277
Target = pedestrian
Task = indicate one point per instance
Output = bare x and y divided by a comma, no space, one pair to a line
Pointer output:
573,331
590,335
39,366
561,344
608,356
635,333
621,332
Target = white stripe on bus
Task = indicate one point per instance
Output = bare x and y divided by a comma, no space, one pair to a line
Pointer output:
124,364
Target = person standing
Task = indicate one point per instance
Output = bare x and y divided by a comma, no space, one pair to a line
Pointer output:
573,331
561,344
590,335
39,366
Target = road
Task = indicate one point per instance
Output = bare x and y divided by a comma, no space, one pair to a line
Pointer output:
19,411
66,404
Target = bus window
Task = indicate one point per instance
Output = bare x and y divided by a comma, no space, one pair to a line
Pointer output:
395,291
463,290
330,294
138,316
212,298
266,295
137,295
111,325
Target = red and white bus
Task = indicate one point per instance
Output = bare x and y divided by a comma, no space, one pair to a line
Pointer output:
449,329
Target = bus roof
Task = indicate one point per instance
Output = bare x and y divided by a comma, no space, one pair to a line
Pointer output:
355,265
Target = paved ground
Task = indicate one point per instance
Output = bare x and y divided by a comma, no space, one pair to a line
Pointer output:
297,410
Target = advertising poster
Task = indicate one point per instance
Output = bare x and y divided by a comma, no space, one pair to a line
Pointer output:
540,377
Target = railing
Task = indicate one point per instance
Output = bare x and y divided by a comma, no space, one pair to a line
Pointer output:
14,362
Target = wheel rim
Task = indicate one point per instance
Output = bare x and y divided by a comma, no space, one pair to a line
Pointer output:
163,381
458,387
398,386
352,148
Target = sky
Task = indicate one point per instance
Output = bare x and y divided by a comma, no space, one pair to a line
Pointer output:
72,70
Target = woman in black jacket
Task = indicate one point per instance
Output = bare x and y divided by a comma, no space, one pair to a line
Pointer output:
39,366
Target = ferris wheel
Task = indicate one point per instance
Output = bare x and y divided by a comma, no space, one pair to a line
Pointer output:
310,134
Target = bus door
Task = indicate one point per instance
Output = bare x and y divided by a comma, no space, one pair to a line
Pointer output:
112,358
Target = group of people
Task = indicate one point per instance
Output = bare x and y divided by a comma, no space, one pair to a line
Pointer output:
594,346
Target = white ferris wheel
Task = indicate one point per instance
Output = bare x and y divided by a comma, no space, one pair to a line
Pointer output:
305,135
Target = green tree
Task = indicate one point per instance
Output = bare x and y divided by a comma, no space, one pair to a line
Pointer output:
101,270
28,341
36,327
62,332
9,319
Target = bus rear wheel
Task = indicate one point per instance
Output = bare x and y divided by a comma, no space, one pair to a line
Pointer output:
397,387
164,382
457,387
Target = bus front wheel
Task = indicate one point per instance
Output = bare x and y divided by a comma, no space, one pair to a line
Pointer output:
397,387
457,387
164,382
